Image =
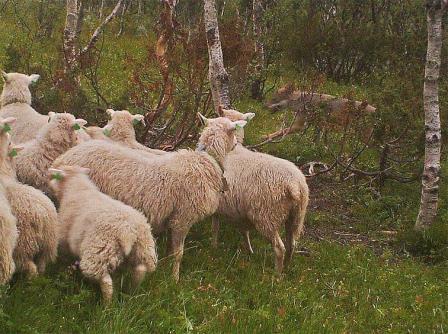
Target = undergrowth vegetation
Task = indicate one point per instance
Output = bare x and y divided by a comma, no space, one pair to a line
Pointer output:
361,267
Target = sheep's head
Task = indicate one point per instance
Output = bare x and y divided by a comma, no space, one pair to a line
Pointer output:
235,115
62,130
61,176
7,149
121,124
16,87
218,137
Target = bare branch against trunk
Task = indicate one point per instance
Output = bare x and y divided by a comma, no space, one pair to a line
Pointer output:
100,28
219,79
431,171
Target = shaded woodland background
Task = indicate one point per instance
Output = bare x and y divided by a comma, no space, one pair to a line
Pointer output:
153,60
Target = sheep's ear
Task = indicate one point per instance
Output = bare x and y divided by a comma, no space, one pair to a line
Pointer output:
5,124
203,119
238,125
18,147
5,76
34,78
138,118
110,112
80,122
84,170
14,149
51,114
220,111
249,115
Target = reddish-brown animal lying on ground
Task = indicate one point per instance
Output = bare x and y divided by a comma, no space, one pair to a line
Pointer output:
337,112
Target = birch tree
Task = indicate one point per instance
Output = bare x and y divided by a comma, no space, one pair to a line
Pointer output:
431,172
219,79
73,25
257,13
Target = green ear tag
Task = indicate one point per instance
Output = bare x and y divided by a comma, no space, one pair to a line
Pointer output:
237,126
76,126
56,176
6,128
12,153
106,132
135,122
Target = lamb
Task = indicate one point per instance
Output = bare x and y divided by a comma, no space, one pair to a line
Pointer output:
15,101
37,220
55,138
101,231
121,129
264,192
174,191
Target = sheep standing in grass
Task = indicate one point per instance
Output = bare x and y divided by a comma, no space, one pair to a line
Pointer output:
15,102
101,231
56,137
36,215
120,129
8,238
174,191
264,192
8,224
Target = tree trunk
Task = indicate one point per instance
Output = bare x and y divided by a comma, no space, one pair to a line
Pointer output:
219,79
72,25
431,172
257,13
101,9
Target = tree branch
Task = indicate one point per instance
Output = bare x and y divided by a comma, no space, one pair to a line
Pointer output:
100,28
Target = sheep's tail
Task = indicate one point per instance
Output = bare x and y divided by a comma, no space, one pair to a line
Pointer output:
126,238
7,265
49,242
295,223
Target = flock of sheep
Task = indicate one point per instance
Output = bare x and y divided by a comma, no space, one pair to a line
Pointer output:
113,193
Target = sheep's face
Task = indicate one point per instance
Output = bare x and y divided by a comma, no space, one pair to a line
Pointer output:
218,137
16,87
62,129
61,176
122,123
235,115
7,149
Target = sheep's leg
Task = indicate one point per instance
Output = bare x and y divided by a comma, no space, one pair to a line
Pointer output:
246,239
169,246
290,243
41,265
138,275
30,269
178,240
107,289
279,249
215,231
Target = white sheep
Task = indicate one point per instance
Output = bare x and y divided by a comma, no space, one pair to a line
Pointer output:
8,238
101,231
264,192
56,137
8,226
174,191
120,129
36,215
15,102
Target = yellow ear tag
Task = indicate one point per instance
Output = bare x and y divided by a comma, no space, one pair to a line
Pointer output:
6,128
106,132
12,153
56,176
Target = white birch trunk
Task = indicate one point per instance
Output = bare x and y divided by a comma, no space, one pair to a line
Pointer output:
431,172
219,79
71,35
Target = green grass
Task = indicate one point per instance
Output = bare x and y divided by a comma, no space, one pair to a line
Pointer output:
337,289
